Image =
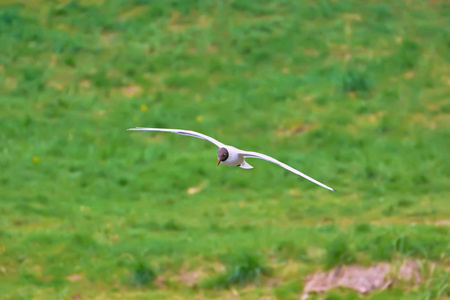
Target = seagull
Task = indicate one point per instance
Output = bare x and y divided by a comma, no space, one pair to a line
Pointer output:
232,156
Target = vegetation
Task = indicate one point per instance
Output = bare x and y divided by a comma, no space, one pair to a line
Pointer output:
354,94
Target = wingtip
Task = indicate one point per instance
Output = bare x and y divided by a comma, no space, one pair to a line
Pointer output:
333,190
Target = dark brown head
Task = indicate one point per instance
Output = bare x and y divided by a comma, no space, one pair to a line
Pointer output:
222,154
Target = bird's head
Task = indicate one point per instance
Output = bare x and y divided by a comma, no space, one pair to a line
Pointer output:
222,154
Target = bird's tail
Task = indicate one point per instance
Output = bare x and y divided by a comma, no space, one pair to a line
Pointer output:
245,165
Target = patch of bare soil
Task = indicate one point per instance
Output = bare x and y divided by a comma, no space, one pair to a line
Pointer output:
190,278
131,91
362,279
442,223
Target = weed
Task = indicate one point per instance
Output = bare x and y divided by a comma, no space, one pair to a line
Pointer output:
339,251
242,269
354,81
142,275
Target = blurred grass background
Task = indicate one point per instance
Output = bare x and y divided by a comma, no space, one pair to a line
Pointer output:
354,94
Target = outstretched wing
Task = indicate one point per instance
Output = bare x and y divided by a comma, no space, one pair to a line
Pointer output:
271,159
182,132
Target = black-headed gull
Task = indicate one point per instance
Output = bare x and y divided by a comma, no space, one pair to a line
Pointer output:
232,156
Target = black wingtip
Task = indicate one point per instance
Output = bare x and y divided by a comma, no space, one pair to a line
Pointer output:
333,190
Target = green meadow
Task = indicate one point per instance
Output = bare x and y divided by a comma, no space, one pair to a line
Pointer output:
355,94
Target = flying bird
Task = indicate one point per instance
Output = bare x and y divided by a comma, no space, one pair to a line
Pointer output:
232,156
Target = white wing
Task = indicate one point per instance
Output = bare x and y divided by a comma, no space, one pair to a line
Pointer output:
182,132
271,159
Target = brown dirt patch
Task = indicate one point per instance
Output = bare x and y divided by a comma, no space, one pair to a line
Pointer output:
442,223
190,278
131,91
363,279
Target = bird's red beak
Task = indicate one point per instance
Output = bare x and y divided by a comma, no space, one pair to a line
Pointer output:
218,163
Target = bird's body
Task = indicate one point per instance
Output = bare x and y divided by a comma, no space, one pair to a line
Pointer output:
233,156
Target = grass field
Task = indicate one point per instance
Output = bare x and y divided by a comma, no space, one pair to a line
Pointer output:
356,94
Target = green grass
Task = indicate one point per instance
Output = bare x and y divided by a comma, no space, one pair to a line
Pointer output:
356,95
